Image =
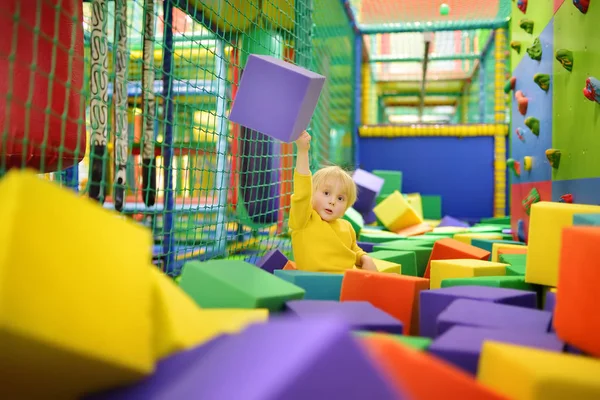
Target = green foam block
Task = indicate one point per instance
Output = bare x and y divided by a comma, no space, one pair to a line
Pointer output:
422,253
236,284
407,259
432,207
355,219
415,342
510,282
317,285
486,244
487,228
392,181
495,221
517,263
379,237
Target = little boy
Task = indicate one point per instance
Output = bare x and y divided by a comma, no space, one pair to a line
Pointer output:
321,240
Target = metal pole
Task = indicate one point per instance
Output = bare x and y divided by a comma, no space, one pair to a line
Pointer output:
428,39
358,51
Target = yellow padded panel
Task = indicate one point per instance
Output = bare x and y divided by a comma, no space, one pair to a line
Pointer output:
414,199
180,324
462,268
546,222
75,295
387,266
395,213
468,237
526,373
496,247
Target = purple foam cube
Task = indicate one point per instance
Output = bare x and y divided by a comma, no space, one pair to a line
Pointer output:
369,217
493,315
276,98
549,305
360,315
271,261
366,246
461,345
451,221
369,185
169,373
433,302
287,358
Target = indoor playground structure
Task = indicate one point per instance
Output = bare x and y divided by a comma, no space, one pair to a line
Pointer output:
146,174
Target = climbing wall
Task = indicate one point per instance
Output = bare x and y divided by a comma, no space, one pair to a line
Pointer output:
555,129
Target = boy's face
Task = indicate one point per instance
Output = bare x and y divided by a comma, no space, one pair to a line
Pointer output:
330,201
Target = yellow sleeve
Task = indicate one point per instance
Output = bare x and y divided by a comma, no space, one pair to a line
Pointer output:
356,249
301,200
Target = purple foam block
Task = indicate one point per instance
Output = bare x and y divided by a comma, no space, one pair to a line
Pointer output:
360,315
276,98
369,186
507,231
493,315
461,345
451,221
271,261
369,217
549,305
433,302
169,373
366,246
287,358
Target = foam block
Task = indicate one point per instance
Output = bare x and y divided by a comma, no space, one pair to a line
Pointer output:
546,223
520,372
368,186
586,219
76,303
488,244
432,207
414,199
369,217
517,263
463,268
422,252
447,249
236,284
550,305
317,285
355,218
486,228
375,236
433,302
366,246
497,248
322,358
415,230
414,342
398,295
407,260
448,231
387,266
451,221
359,315
461,345
276,98
423,376
509,282
467,237
493,315
576,317
392,181
273,260
395,213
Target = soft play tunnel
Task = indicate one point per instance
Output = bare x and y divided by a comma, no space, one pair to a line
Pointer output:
42,115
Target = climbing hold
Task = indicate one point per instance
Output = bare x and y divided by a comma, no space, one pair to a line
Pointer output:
592,89
535,51
516,45
553,156
520,135
515,166
522,102
566,198
521,231
527,163
582,5
526,25
510,84
522,5
543,81
532,198
444,9
533,124
565,58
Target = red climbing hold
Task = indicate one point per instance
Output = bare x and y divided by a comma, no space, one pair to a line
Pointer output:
522,102
566,198
592,89
522,5
582,5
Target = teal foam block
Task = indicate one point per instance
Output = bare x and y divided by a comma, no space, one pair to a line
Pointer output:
586,219
407,259
317,285
236,284
486,244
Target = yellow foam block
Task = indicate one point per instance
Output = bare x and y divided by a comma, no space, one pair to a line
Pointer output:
432,222
547,220
496,247
449,229
526,373
463,268
387,266
414,199
76,293
395,213
468,237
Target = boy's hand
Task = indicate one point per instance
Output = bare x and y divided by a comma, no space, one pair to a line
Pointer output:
303,142
368,264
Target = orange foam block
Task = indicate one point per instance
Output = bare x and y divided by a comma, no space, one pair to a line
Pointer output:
415,230
290,265
576,316
421,375
398,295
448,249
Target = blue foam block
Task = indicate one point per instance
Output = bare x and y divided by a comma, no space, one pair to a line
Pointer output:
318,285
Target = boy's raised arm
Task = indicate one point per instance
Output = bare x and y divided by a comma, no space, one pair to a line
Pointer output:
301,200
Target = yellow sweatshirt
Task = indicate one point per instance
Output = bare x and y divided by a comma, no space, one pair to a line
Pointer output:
318,245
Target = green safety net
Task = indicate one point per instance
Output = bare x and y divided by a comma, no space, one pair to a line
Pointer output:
103,78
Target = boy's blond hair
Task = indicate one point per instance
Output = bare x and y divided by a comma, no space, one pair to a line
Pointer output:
338,174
